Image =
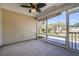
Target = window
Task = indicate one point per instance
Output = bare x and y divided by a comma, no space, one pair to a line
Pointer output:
57,28
42,29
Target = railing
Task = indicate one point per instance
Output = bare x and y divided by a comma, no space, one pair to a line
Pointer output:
74,40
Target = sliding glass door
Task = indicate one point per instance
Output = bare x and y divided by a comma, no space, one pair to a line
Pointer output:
57,28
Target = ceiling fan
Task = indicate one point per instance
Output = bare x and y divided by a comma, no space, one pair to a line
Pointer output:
34,7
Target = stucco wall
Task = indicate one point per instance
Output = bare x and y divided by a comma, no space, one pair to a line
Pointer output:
0,26
17,27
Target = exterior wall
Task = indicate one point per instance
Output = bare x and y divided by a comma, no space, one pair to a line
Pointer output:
0,26
17,27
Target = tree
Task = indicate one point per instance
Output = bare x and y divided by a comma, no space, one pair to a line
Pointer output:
61,26
43,30
49,29
76,25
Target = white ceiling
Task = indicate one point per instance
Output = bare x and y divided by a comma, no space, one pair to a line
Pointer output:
16,7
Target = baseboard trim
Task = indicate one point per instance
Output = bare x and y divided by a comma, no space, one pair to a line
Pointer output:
17,42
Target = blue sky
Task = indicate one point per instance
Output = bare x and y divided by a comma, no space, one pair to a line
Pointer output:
74,18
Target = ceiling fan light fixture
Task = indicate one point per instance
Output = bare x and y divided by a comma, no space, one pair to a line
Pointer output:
33,10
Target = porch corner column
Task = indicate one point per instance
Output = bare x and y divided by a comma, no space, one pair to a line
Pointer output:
67,29
36,29
46,29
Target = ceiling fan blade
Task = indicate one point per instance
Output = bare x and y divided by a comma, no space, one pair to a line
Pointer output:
32,5
25,6
40,5
29,10
38,10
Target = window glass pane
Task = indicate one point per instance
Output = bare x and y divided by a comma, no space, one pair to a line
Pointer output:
74,22
57,28
42,29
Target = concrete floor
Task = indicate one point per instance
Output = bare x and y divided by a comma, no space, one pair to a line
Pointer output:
34,48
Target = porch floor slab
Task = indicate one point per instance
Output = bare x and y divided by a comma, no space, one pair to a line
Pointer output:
35,48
